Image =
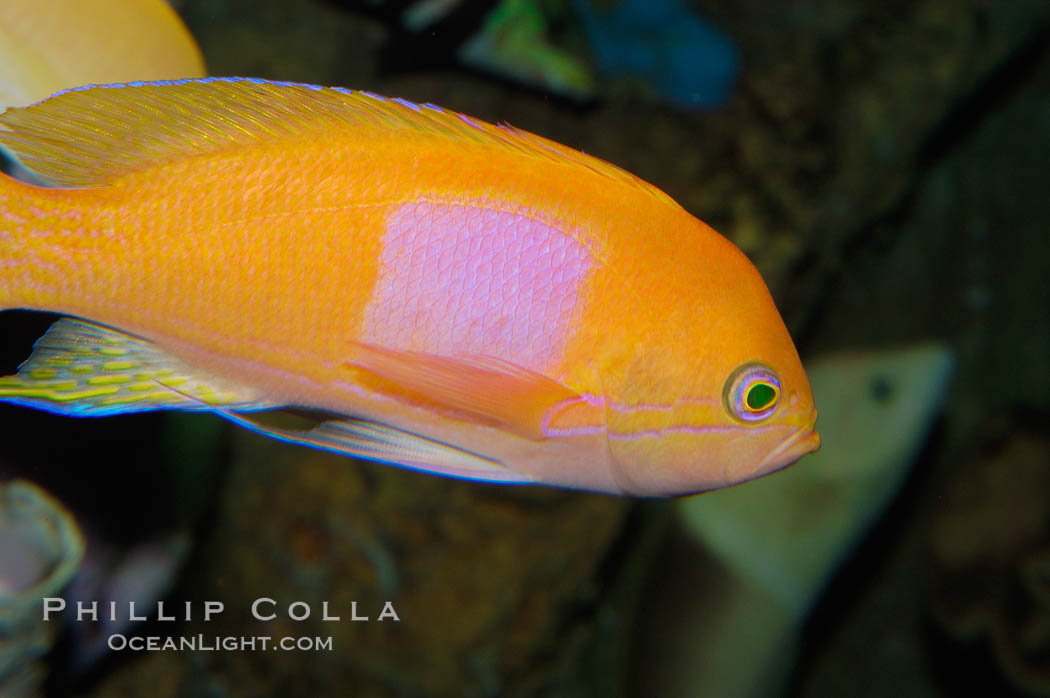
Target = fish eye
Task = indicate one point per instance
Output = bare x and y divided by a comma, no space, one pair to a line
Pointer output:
752,392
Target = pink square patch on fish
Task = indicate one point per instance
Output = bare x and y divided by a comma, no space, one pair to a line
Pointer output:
460,280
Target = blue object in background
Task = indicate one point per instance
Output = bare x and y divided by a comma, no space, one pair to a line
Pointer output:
678,54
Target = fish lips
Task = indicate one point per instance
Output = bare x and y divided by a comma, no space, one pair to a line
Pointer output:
803,442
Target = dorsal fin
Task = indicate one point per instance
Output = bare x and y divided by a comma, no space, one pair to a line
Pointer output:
90,136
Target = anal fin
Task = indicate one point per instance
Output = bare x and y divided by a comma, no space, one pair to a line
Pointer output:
81,369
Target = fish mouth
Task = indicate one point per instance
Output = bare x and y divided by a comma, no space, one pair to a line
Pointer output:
802,442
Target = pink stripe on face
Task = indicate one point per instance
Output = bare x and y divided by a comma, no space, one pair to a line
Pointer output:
463,280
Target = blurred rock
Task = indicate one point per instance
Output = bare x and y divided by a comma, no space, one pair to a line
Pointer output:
113,576
989,548
839,102
40,550
491,584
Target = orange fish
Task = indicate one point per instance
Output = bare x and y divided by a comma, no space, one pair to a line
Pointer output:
440,293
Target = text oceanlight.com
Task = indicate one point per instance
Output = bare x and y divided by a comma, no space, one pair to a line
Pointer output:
215,643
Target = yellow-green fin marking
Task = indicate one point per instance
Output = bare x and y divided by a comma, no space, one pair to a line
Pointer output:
81,369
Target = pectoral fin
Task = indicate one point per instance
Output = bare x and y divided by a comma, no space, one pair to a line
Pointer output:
81,369
483,387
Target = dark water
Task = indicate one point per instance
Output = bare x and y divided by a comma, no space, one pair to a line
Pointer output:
885,167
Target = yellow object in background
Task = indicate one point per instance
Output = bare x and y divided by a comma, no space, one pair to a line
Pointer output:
52,45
